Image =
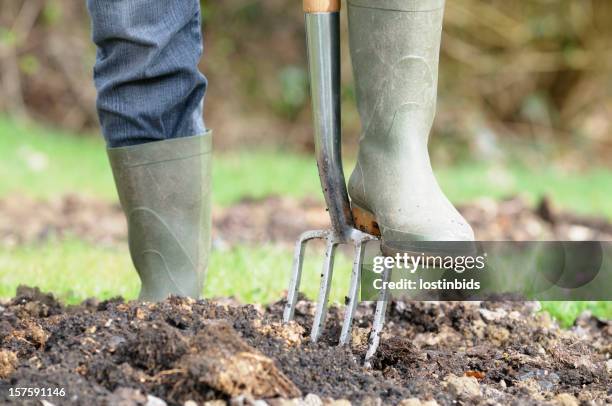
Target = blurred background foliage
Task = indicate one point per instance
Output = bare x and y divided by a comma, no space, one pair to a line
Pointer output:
535,73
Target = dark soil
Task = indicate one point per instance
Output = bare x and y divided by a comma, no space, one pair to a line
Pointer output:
278,220
182,350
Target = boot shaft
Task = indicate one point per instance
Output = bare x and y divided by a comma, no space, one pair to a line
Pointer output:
164,190
395,47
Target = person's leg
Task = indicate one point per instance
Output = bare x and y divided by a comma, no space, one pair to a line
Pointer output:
146,72
150,96
395,47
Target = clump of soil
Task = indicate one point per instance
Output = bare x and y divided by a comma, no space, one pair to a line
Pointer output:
182,351
278,220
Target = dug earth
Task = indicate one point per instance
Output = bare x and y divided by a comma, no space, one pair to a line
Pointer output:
186,352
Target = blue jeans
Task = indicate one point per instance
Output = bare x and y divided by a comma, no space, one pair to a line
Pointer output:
146,73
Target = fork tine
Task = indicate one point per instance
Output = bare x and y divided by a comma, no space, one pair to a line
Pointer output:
294,284
296,271
353,296
326,278
379,318
332,241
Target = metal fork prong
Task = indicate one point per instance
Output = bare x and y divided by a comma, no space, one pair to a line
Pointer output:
296,272
379,317
353,295
326,279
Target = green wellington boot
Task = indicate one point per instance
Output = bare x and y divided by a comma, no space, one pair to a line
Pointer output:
395,46
164,189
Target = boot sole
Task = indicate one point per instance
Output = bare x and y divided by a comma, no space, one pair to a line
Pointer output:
366,221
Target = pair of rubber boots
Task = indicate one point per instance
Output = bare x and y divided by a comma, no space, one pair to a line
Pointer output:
164,187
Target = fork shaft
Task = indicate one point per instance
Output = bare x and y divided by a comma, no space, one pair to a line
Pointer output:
323,43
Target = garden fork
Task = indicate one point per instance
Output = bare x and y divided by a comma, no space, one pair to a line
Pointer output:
323,43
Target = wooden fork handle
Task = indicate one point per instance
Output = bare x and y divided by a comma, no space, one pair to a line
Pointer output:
321,6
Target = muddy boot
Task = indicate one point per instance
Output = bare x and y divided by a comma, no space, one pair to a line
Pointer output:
164,189
395,46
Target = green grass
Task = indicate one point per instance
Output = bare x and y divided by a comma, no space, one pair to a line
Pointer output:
585,192
566,312
46,163
74,270
71,269
258,174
